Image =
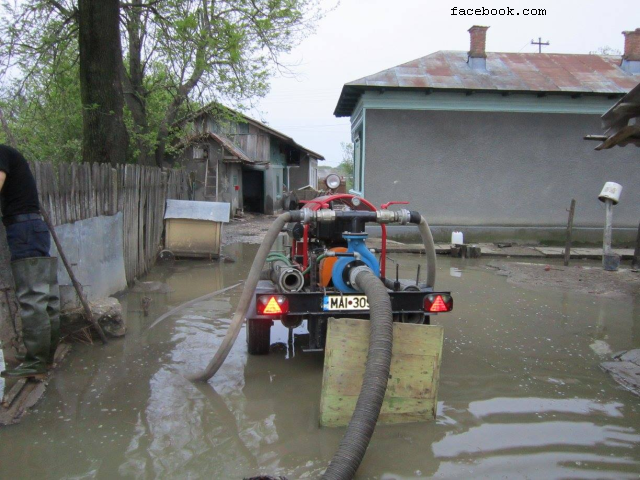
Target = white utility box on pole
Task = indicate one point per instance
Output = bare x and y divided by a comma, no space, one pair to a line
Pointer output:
610,195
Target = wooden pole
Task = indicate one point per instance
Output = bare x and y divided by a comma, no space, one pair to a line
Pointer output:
635,263
74,280
567,247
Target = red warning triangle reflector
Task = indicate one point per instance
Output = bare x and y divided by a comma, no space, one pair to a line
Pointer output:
438,305
272,306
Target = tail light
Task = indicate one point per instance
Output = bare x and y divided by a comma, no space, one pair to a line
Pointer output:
438,302
272,304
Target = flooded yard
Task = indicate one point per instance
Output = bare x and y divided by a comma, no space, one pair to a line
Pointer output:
521,393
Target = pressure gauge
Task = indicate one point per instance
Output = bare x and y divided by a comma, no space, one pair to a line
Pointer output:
355,201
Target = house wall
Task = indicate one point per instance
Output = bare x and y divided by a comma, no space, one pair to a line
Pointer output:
253,141
230,177
299,175
491,170
260,146
305,174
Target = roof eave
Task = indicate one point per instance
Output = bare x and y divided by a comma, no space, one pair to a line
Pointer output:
342,110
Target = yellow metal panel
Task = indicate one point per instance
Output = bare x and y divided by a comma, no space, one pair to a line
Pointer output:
185,237
413,381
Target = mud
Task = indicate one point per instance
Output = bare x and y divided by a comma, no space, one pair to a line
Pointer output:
587,278
521,393
249,229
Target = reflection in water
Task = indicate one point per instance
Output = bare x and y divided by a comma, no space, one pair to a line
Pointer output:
520,393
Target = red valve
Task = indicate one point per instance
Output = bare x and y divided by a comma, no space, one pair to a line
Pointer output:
384,206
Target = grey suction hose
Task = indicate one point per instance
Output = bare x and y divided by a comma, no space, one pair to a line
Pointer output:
356,439
245,300
429,247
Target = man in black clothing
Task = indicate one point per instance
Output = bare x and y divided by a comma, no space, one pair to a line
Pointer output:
34,271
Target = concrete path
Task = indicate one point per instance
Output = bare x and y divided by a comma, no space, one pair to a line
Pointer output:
493,250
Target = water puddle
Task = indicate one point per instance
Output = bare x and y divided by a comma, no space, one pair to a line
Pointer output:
521,393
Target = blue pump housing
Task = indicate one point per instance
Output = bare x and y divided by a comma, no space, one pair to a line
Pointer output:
355,243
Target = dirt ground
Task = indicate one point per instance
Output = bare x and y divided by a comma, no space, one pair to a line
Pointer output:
579,278
250,229
584,279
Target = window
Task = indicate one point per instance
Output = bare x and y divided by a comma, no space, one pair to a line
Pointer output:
278,185
358,174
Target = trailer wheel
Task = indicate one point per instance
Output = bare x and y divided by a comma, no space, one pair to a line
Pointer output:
258,336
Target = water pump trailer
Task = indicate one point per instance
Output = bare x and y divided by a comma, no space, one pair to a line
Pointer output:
313,278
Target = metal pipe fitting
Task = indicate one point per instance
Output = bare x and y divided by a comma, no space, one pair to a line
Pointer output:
325,215
353,274
402,216
290,280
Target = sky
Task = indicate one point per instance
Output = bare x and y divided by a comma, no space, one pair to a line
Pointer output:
362,37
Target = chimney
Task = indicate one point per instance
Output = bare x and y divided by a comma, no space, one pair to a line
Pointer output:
631,57
477,54
632,45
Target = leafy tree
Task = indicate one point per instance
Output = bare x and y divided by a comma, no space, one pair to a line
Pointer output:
178,54
346,165
606,50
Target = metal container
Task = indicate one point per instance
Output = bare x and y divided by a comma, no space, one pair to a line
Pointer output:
194,229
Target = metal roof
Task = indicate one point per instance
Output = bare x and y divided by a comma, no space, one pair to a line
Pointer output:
216,106
192,210
505,72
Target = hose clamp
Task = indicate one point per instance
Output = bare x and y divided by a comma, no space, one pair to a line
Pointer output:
353,273
404,216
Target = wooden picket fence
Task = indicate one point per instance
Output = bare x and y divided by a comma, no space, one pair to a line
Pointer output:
75,191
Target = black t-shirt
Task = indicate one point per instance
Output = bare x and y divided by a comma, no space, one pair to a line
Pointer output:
19,194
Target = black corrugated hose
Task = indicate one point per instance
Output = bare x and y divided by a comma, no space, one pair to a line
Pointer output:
356,439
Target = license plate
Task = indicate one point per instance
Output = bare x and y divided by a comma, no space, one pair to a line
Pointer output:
345,302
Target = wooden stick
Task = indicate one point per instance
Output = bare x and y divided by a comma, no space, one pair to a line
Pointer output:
74,280
635,263
567,247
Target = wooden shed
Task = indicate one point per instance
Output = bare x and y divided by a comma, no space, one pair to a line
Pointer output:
194,229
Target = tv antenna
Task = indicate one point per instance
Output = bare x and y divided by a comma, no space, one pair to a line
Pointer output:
540,44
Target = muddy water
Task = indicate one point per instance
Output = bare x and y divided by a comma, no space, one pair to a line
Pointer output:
521,395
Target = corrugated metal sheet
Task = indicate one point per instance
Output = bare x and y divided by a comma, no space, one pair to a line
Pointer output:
513,72
214,106
192,210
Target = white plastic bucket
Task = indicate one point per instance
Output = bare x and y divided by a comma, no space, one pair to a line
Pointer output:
610,191
457,238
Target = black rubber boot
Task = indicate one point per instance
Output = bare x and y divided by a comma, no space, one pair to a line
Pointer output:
53,309
32,291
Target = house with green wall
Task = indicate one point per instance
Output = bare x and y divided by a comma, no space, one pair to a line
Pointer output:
493,143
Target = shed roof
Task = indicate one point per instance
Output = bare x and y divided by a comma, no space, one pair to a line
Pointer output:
216,106
222,140
194,210
505,72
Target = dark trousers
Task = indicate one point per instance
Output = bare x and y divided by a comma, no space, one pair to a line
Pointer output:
28,239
